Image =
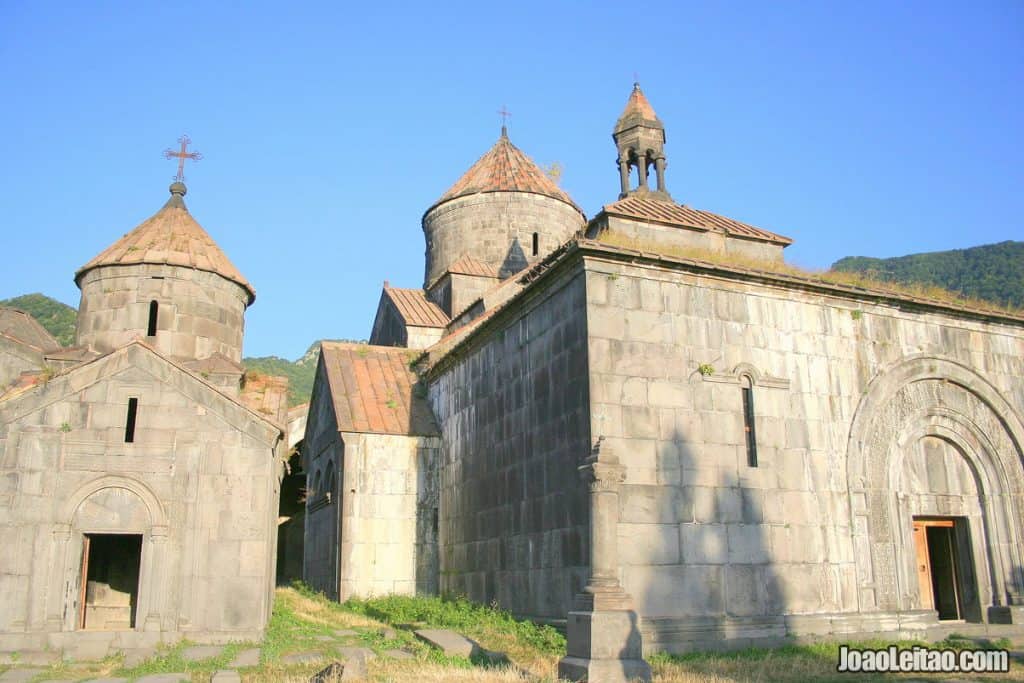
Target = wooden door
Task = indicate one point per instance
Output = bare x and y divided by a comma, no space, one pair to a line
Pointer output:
924,565
83,581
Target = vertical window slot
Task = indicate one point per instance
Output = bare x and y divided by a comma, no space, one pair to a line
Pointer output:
536,243
154,308
129,426
748,421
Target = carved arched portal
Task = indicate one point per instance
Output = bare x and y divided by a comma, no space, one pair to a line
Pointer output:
924,410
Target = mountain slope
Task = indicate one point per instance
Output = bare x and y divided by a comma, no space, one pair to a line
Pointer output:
992,272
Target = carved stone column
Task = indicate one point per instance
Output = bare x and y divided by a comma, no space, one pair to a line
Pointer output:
641,164
659,169
604,642
624,176
154,587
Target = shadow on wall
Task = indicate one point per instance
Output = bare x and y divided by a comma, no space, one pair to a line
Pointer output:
515,259
710,582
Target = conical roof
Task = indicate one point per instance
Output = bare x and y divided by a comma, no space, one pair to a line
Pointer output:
172,237
637,109
504,168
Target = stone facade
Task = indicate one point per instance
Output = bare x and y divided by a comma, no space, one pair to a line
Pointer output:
766,455
17,357
662,238
371,496
198,484
513,416
140,473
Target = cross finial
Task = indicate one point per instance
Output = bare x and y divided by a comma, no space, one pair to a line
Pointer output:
181,155
505,113
636,79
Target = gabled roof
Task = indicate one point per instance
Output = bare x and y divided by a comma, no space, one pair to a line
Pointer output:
139,354
374,391
670,213
172,237
22,327
415,308
504,168
215,364
467,265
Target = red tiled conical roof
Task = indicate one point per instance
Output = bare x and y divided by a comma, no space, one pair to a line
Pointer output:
637,105
504,168
172,237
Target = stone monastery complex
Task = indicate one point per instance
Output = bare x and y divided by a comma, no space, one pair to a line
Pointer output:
638,426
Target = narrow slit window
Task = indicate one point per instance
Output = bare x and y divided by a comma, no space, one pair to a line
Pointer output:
129,424
154,308
536,243
748,421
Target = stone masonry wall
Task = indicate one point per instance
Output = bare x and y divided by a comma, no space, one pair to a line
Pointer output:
16,358
199,482
496,228
513,416
199,312
714,548
388,501
656,237
322,446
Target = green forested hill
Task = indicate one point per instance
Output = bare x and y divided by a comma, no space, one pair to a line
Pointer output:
992,272
56,317
299,372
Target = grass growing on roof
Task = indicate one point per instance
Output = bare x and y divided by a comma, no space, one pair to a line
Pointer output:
836,277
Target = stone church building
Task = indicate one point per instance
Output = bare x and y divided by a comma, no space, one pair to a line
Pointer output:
139,469
645,424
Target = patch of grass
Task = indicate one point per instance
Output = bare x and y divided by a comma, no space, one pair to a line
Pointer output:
837,277
461,615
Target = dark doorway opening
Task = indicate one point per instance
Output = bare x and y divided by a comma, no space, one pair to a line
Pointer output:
944,568
110,581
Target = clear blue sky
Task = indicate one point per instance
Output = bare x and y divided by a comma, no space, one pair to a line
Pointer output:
856,128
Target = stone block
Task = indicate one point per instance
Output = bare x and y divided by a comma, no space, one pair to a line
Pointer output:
649,544
167,678
226,676
198,653
703,543
247,657
449,642
19,675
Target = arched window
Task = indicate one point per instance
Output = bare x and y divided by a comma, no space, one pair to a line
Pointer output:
747,385
329,482
536,243
154,308
313,492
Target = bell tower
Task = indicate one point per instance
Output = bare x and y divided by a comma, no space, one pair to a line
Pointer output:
640,139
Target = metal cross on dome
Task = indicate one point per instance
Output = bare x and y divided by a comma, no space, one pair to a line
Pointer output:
181,155
505,113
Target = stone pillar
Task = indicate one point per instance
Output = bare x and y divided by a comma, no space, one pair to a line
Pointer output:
604,642
153,584
624,175
659,169
641,165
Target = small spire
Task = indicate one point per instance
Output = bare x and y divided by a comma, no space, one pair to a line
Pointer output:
178,191
505,113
